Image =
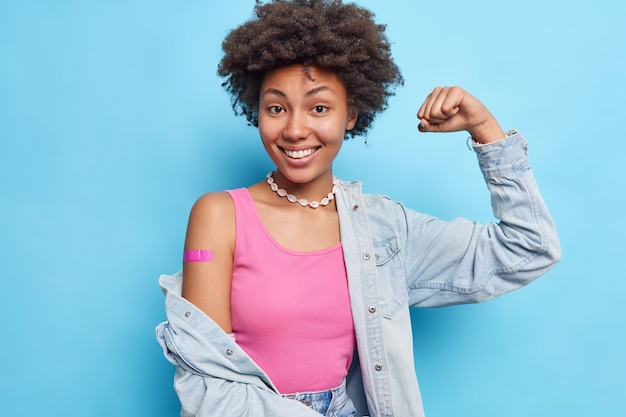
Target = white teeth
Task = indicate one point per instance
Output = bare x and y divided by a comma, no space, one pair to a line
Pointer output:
299,154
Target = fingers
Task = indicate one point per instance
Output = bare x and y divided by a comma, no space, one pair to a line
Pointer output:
440,106
451,109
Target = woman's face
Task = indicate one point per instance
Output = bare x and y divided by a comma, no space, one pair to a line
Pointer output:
302,121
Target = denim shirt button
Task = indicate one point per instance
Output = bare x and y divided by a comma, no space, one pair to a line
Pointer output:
229,352
372,309
366,256
355,207
378,367
187,314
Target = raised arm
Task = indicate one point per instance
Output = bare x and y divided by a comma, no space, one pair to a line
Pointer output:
461,261
207,283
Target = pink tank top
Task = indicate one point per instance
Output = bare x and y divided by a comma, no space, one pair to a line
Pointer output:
290,310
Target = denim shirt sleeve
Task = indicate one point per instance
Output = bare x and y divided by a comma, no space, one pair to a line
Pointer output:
460,261
214,376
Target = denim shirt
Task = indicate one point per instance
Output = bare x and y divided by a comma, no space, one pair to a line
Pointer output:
395,258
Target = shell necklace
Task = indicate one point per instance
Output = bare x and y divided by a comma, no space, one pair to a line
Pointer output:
302,201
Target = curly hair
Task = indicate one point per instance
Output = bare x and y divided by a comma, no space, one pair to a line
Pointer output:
326,33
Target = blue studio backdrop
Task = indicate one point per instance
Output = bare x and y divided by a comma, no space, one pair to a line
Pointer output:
113,122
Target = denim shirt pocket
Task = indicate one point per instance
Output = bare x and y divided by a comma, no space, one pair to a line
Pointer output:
393,294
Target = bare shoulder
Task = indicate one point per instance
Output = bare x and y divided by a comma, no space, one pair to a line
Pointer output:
214,204
213,213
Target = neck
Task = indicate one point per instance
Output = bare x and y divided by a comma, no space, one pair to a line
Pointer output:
315,188
313,197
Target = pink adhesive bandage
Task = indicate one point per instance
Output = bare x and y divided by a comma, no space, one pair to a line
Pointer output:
197,255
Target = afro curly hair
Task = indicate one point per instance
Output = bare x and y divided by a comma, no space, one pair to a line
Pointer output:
326,33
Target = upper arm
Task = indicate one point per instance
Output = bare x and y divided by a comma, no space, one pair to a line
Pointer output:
207,284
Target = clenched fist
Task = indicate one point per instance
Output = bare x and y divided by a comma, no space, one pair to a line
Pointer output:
452,109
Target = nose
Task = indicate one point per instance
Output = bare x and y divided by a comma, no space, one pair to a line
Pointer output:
297,127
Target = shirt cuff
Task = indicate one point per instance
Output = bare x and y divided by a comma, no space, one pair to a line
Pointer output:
504,156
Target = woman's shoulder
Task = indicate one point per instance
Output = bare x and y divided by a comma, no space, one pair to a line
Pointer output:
213,206
354,190
214,200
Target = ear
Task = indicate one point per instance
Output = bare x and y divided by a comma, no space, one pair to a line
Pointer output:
352,118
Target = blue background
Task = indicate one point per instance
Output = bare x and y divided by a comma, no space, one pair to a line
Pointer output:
113,121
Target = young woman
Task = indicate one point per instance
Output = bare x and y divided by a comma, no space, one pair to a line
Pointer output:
295,291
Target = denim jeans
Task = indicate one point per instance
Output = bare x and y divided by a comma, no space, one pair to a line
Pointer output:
332,403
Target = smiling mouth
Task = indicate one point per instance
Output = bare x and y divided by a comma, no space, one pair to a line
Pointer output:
301,153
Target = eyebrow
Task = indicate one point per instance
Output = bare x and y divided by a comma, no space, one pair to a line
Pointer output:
309,93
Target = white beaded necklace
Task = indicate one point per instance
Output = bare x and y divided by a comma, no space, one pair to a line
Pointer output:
302,201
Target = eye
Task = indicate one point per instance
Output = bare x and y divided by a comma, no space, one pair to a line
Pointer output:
275,109
319,109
